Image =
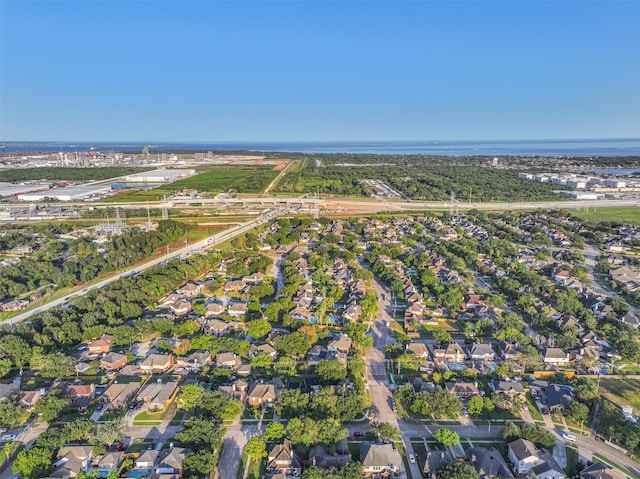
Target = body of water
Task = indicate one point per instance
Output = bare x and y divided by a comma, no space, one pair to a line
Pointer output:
603,147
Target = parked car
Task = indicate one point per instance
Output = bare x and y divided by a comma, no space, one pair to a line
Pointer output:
358,434
8,437
412,458
119,446
159,446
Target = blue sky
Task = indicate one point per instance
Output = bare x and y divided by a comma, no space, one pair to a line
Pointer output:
323,70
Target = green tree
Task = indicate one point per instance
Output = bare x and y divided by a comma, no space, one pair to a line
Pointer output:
201,432
256,448
258,328
446,437
458,470
442,336
32,463
285,367
386,431
109,432
198,464
217,405
331,371
577,412
51,406
274,431
262,360
475,405
189,396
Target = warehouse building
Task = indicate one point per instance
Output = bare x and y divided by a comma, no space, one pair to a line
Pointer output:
70,193
160,176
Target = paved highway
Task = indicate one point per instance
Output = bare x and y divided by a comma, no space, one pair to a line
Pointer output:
180,253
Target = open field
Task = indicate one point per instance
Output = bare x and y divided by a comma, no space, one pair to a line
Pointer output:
622,391
622,215
252,179
133,196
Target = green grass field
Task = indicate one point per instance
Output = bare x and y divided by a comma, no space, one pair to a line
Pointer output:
242,180
622,391
629,214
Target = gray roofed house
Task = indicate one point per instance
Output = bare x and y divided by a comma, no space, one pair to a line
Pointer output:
147,459
320,457
601,471
548,469
481,352
434,460
506,387
524,455
488,462
172,462
418,349
158,395
379,459
559,396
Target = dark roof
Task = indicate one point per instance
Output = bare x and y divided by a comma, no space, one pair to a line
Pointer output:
559,396
507,386
488,462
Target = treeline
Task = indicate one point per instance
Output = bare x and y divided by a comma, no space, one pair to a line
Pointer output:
419,179
70,174
66,263
40,343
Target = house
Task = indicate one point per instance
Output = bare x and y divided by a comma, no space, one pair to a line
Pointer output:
215,309
549,469
262,348
599,470
180,307
452,352
283,459
434,460
113,361
488,462
147,459
524,455
481,352
29,399
237,389
157,363
79,395
320,457
342,344
228,360
381,460
462,390
237,309
71,461
158,395
171,462
555,357
507,387
262,395
191,289
255,278
217,327
110,461
418,349
117,395
559,397
631,319
82,367
101,345
195,360
300,313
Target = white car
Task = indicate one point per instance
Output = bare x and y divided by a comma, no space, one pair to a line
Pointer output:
412,458
8,437
568,437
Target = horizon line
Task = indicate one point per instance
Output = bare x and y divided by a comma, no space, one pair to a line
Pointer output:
324,140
